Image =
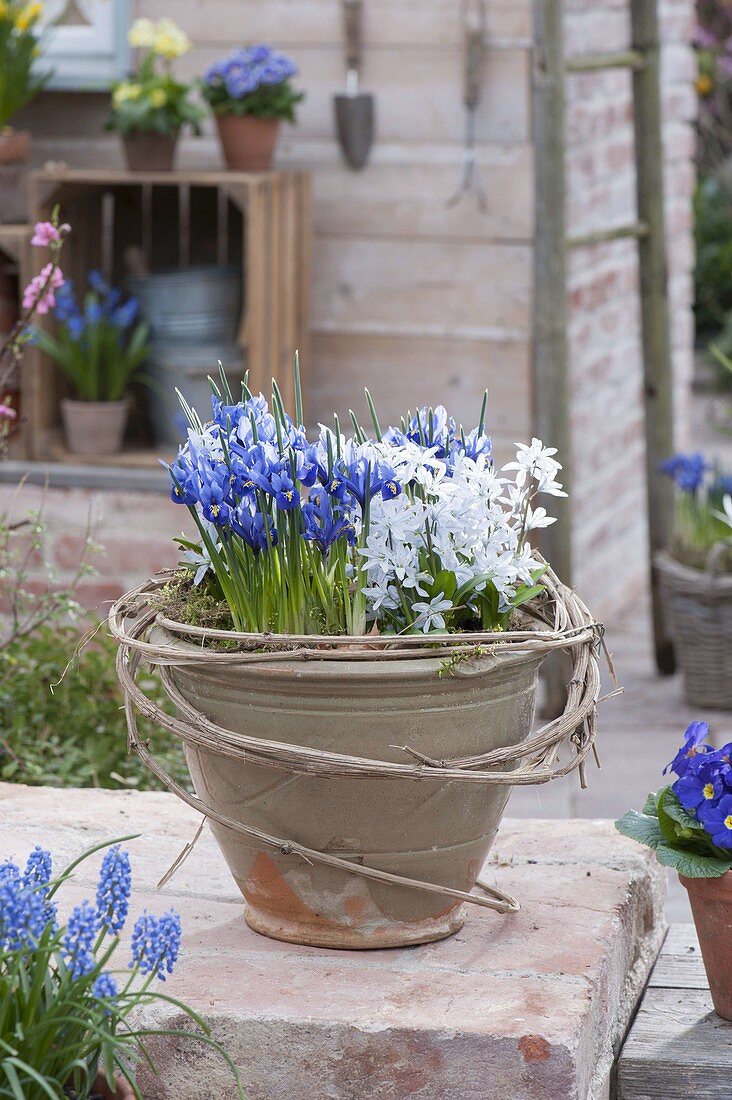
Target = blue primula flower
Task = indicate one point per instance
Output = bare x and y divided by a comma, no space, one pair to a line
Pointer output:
717,820
702,783
692,747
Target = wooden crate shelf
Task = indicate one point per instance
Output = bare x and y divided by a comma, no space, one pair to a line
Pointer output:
175,219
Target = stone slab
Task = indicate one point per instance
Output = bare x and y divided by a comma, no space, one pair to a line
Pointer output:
531,1006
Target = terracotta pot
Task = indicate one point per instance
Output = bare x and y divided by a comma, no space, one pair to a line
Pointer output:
427,830
248,143
14,146
146,151
711,904
94,427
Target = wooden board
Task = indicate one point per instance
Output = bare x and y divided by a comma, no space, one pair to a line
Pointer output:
395,23
262,220
677,1048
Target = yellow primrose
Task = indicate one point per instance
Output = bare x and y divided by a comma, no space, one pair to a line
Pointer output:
158,97
28,16
124,92
141,34
170,41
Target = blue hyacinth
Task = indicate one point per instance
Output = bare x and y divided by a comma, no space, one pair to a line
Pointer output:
113,890
156,943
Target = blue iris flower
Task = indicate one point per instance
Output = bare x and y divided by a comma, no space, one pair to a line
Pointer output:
213,500
256,530
284,491
325,523
432,428
97,282
183,481
363,478
687,471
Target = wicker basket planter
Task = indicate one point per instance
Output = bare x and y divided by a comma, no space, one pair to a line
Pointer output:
699,606
355,785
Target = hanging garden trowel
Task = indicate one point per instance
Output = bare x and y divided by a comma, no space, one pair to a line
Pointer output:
354,111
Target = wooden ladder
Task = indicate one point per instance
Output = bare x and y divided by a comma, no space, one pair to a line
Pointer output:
551,351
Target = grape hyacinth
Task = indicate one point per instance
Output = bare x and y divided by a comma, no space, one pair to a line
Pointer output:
78,940
113,890
156,943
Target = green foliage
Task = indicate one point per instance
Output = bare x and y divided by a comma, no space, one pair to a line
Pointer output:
713,231
65,727
276,101
99,363
153,101
678,839
20,80
67,1013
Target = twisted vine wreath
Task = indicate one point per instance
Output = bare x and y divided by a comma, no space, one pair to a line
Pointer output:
564,624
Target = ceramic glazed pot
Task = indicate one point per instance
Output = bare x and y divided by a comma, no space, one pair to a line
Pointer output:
94,427
14,146
248,143
711,904
146,151
433,831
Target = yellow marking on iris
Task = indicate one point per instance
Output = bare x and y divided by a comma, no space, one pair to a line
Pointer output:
215,509
289,494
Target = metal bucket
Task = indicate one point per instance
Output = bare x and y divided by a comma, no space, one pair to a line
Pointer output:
171,366
201,304
432,830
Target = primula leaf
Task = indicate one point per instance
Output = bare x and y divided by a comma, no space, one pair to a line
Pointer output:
650,806
668,803
641,827
692,864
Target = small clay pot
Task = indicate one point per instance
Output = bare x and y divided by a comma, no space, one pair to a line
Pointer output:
146,151
94,427
14,146
711,904
248,143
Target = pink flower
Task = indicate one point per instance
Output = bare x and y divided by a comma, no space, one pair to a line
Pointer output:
44,233
7,413
34,294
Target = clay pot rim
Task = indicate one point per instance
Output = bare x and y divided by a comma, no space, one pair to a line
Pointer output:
718,886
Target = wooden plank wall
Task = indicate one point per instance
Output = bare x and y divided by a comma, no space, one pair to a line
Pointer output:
422,303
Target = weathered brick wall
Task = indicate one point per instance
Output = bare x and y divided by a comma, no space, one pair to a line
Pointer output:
133,533
608,491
